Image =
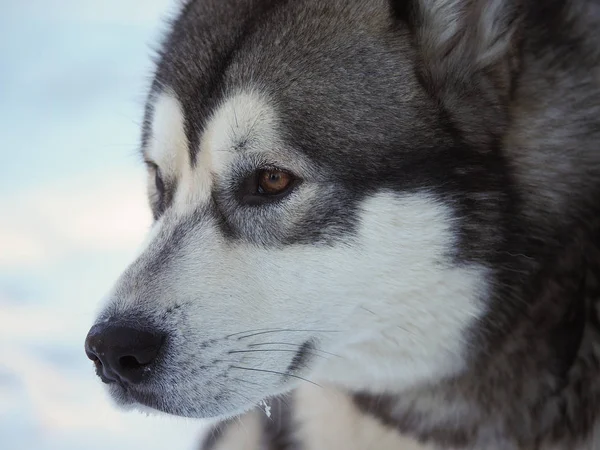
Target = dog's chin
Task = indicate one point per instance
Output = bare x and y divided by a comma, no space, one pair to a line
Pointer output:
125,399
130,399
155,404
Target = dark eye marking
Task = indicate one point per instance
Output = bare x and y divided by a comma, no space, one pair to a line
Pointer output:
159,183
159,200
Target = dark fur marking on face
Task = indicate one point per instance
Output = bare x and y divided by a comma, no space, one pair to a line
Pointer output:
226,229
301,358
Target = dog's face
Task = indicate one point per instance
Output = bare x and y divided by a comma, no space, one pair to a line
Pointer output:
311,214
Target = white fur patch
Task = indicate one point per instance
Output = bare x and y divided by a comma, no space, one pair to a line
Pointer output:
413,305
168,147
168,144
245,122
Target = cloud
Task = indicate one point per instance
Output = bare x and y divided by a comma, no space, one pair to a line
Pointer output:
19,247
62,405
51,394
101,212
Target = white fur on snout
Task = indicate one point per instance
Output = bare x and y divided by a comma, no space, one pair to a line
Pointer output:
388,302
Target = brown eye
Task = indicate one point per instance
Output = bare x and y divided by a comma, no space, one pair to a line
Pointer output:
272,181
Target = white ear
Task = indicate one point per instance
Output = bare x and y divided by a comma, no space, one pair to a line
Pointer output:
468,51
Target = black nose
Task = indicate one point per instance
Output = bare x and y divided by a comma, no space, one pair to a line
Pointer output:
122,353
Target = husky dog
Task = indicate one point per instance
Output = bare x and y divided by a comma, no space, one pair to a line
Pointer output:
378,220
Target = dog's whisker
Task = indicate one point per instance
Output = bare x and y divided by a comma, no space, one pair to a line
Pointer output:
286,330
241,380
283,374
293,345
266,350
241,395
230,361
378,315
251,331
275,330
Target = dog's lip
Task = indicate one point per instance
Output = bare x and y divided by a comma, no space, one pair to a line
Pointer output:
127,396
132,394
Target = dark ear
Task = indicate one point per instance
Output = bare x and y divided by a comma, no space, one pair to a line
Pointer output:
468,57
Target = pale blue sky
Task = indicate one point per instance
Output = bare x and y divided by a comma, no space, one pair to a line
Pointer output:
72,81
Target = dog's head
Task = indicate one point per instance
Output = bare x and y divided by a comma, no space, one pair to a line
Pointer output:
326,194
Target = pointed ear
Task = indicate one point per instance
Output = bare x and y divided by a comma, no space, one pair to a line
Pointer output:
468,58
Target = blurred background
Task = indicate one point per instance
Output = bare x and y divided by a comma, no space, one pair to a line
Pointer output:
73,75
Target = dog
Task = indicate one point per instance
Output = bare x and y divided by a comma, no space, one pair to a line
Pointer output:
375,226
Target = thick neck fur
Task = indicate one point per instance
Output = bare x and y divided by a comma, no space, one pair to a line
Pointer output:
539,388
553,134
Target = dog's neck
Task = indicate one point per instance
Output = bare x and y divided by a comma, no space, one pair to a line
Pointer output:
538,388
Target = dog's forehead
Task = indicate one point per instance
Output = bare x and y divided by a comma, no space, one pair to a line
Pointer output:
335,84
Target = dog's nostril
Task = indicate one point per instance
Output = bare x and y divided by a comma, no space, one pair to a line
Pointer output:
92,356
129,363
122,353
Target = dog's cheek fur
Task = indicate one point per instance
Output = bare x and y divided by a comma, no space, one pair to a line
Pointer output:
386,291
207,292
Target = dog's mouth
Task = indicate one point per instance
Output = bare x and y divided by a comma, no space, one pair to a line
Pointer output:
142,397
129,395
154,399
